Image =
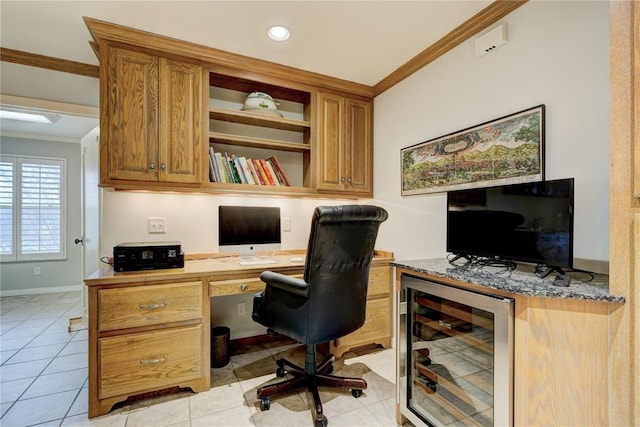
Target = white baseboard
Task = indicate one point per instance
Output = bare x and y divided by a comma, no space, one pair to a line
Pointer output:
34,291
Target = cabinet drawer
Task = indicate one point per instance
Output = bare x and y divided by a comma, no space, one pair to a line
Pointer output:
148,305
377,325
237,286
379,281
151,360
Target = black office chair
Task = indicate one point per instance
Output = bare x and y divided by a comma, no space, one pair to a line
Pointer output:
327,303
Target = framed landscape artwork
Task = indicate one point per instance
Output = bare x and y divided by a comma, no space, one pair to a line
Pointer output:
502,151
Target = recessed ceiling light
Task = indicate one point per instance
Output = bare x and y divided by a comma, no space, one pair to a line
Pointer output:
28,116
278,33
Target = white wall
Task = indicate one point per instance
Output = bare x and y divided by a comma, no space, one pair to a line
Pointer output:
17,278
192,219
557,55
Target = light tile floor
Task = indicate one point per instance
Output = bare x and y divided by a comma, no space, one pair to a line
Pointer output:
43,380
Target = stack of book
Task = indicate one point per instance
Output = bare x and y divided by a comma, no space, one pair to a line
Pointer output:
241,170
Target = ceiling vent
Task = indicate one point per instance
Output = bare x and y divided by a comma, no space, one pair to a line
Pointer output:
492,40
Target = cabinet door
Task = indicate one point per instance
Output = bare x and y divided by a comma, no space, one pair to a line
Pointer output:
330,132
132,122
358,146
181,149
345,162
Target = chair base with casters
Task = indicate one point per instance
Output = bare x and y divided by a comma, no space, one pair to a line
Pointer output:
311,377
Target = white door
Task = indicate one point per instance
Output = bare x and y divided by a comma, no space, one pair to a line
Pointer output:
91,209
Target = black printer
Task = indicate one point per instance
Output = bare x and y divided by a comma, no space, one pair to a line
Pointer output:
134,256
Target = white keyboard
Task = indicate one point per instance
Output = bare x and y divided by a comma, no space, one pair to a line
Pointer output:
257,261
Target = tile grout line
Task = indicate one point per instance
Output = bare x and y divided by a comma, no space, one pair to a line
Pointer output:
51,359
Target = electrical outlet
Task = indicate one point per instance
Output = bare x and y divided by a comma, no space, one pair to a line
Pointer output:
36,271
286,224
241,309
157,225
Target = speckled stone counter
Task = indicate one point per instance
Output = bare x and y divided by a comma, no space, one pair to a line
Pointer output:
521,281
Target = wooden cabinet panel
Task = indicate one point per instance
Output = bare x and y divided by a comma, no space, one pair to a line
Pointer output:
238,286
231,287
132,128
148,305
379,281
376,328
153,119
181,139
345,160
330,131
149,361
359,146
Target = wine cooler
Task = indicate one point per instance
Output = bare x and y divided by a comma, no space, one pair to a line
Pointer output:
455,355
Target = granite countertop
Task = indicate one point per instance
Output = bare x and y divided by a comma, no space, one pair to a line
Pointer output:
521,281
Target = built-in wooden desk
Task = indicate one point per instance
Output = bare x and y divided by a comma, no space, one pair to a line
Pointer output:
150,330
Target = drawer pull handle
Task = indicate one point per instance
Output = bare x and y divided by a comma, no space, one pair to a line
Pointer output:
244,287
153,306
154,361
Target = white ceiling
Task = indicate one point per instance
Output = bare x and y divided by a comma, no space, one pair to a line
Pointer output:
360,41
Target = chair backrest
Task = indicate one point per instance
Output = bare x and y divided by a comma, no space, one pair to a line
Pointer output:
339,255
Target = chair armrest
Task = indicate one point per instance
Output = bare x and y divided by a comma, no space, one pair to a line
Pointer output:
286,283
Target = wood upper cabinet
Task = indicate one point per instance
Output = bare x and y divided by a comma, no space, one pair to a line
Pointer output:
154,114
345,145
164,102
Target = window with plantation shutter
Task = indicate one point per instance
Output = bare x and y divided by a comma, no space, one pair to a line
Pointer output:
32,200
7,203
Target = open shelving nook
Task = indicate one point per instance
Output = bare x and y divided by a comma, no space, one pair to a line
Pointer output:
260,135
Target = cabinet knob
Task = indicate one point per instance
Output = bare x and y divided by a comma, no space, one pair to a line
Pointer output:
152,165
244,287
349,180
342,179
163,166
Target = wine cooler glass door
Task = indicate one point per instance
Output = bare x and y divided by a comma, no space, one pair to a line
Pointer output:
459,359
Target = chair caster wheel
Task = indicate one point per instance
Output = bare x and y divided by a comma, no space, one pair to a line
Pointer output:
265,404
356,392
280,372
322,423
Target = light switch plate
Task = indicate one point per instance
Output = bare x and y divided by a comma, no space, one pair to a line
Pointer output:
157,225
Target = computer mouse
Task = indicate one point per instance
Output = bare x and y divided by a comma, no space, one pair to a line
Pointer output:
297,259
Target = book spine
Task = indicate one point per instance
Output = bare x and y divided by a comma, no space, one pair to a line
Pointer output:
212,158
276,164
232,169
212,171
263,174
256,176
273,174
267,172
221,169
247,173
238,166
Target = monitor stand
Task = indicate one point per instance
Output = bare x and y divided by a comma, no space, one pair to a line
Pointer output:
469,258
544,273
254,260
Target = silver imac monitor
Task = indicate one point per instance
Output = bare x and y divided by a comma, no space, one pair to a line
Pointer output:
250,231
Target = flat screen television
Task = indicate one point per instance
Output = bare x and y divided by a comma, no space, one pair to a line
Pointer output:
248,229
530,222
